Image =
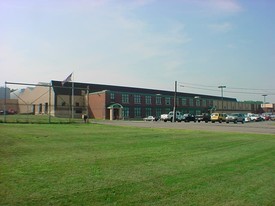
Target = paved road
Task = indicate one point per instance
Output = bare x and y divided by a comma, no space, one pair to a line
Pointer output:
267,127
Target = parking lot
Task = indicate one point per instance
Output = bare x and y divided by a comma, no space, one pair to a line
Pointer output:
265,127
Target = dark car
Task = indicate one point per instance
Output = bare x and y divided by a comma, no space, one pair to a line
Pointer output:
10,111
203,117
189,118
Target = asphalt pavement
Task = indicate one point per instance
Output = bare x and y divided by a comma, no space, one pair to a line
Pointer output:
265,127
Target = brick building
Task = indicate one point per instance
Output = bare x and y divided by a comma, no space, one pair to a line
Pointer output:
118,102
101,101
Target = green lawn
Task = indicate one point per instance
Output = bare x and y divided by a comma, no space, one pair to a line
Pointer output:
92,164
40,119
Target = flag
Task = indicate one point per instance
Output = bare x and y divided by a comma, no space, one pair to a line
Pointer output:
68,79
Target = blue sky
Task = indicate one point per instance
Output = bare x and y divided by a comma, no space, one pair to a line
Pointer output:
143,43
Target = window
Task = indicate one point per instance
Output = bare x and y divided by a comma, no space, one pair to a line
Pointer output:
158,100
211,103
204,103
148,111
183,101
125,98
78,109
40,108
137,111
198,103
126,112
46,107
167,100
158,112
137,99
184,111
148,100
191,102
198,112
112,95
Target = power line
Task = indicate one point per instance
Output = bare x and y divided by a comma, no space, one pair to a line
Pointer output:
229,89
238,88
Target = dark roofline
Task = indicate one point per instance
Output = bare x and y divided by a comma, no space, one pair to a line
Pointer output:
66,89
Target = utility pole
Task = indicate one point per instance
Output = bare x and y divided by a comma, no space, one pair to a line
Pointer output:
87,99
50,99
222,87
175,102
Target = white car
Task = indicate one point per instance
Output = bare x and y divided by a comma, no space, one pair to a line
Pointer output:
255,117
149,118
247,118
164,117
179,116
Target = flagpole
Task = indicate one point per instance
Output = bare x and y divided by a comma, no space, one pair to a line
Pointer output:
5,103
72,97
50,99
70,79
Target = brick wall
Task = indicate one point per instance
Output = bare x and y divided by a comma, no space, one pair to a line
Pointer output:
97,105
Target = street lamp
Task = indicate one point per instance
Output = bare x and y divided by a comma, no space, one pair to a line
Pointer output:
264,106
264,95
222,87
197,98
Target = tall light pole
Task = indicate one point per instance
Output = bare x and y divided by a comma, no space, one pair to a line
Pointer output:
175,102
264,95
197,98
222,87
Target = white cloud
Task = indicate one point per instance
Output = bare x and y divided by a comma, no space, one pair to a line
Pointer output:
109,38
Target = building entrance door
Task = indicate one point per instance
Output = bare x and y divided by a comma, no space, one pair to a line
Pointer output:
116,114
115,111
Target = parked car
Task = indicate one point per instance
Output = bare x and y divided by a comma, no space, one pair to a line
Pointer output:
170,116
164,117
150,118
10,111
235,117
255,117
272,117
265,117
218,117
247,118
189,118
203,117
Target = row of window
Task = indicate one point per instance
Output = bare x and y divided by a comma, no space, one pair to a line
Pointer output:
137,111
158,100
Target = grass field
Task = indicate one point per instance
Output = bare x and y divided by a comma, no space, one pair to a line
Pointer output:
92,164
40,119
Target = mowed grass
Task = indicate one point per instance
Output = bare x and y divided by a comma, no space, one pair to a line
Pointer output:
92,164
40,119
